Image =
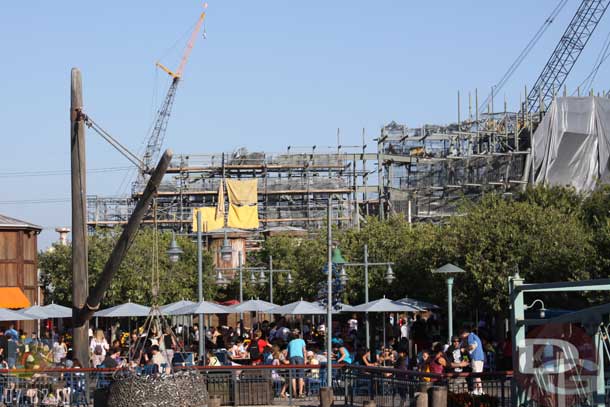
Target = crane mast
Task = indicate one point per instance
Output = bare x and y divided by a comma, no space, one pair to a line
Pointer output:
155,141
565,55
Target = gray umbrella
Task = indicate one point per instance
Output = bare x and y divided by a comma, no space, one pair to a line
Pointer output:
384,305
299,308
422,305
203,307
9,315
57,311
168,308
34,312
253,306
129,309
342,307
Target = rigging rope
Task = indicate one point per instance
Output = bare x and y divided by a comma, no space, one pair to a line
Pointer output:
524,53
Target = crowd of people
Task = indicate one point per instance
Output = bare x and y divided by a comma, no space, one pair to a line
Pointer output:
411,344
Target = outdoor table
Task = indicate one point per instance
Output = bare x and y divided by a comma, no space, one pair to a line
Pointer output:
242,361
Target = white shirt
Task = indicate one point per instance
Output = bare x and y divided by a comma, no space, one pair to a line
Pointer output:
353,324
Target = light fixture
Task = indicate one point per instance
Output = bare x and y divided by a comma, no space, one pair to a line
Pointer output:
220,280
337,258
226,251
262,279
289,278
174,250
252,278
389,274
343,276
542,310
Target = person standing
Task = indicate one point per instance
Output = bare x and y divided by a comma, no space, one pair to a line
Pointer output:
11,351
257,348
297,350
474,347
98,347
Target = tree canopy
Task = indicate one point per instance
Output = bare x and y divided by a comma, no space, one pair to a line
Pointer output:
546,234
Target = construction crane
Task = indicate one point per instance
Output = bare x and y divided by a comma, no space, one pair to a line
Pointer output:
155,140
565,55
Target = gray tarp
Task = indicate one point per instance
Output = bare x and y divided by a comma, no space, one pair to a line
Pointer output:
572,143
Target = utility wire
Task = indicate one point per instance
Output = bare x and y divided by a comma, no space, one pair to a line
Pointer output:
601,58
524,53
50,173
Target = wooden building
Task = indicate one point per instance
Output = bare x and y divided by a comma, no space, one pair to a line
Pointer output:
19,258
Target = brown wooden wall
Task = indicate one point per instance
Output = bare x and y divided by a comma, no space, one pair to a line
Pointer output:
19,262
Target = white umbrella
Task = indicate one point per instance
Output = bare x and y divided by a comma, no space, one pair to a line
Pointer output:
10,315
299,308
203,307
166,309
253,306
422,305
384,305
128,309
34,312
57,311
342,308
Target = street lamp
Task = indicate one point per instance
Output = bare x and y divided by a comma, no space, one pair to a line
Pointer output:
543,310
449,269
226,251
174,252
389,277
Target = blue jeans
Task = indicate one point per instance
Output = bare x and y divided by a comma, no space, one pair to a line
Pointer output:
297,360
11,362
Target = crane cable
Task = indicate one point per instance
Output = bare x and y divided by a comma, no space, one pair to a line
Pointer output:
601,58
524,53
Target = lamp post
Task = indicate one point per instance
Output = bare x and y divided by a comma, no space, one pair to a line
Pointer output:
449,269
329,304
202,333
389,278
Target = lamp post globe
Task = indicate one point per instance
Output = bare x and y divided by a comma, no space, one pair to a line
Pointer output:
174,252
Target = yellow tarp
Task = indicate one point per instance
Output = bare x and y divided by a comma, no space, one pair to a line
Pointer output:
13,297
209,220
243,217
242,192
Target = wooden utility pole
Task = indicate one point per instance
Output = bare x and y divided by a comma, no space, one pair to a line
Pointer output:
80,276
83,304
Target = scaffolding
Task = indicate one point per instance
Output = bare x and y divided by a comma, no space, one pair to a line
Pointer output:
293,187
422,172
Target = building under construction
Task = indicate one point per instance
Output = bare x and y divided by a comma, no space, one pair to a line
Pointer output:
422,172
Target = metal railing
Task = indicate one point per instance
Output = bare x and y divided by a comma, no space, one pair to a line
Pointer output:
249,385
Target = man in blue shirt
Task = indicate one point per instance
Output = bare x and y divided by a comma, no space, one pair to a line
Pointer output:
477,356
296,354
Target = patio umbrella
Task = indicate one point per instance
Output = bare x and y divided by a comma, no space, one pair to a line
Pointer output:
34,312
342,308
253,306
384,305
299,308
202,308
9,315
423,305
57,311
167,308
128,309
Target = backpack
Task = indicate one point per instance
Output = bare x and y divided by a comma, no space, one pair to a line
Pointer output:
98,350
255,353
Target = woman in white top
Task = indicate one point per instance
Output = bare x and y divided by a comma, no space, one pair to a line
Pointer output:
98,348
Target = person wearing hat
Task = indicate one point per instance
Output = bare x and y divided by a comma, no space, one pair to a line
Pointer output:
297,350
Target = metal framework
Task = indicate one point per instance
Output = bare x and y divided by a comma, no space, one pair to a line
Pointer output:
566,53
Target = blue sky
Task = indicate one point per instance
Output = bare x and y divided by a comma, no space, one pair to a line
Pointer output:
269,74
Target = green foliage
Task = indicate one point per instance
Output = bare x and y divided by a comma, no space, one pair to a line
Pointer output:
133,279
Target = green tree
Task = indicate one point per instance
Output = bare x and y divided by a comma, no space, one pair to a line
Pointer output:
133,281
